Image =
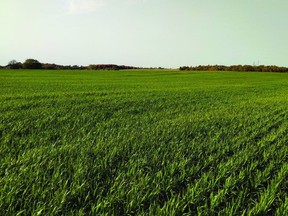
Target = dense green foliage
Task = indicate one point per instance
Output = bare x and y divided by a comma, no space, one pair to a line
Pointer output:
35,64
242,68
143,142
32,64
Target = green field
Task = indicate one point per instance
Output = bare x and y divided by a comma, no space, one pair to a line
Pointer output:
160,142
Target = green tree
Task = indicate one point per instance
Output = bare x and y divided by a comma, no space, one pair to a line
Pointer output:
32,64
13,64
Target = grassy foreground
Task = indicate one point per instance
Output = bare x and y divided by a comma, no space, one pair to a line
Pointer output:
143,143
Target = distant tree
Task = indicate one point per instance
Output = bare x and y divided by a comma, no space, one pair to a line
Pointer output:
48,66
13,64
184,68
32,64
75,67
242,68
107,67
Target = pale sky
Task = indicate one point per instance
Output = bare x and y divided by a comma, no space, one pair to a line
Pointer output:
144,33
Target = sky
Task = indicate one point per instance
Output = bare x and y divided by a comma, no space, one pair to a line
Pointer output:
145,33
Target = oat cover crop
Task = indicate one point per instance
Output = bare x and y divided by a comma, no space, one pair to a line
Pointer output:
143,143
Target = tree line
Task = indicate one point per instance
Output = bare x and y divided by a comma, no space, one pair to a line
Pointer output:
35,64
241,68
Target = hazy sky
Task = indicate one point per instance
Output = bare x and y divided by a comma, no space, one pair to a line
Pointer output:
167,33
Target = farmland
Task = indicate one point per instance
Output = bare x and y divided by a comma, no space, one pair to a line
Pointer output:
143,142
